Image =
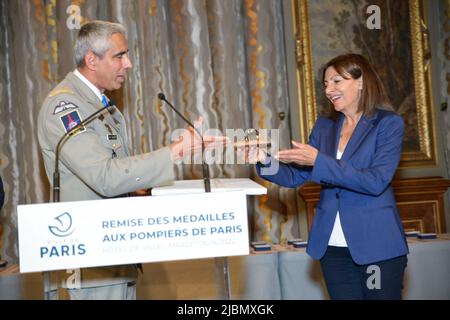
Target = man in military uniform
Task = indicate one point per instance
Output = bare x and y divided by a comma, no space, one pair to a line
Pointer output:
95,162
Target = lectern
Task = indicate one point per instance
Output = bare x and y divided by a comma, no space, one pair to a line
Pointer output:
246,185
82,234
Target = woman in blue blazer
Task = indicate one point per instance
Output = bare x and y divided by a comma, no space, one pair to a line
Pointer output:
353,152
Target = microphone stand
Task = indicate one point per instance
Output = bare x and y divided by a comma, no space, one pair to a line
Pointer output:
205,167
222,278
56,178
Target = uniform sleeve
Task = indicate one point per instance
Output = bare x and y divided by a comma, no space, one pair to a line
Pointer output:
91,161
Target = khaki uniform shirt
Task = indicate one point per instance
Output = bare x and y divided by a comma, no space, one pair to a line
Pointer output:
95,163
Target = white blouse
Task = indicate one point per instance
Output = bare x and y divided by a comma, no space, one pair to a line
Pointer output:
337,238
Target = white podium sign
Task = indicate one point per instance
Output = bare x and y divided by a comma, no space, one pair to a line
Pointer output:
69,235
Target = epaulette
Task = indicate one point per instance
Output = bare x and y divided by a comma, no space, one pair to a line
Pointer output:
58,91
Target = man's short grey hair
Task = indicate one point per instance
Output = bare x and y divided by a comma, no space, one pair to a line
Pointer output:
95,36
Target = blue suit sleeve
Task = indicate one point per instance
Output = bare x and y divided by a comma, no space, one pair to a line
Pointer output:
373,179
289,175
285,175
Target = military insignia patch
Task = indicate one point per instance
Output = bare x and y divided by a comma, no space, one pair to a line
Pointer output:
70,120
63,106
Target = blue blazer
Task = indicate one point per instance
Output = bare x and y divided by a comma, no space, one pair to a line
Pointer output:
358,185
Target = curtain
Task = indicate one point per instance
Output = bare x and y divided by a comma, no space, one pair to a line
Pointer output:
223,60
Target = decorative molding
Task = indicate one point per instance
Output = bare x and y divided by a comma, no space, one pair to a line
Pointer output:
305,78
420,202
421,56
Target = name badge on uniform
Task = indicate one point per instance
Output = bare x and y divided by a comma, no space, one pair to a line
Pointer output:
111,137
70,120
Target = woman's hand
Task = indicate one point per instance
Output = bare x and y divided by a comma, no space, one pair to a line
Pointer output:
302,154
251,154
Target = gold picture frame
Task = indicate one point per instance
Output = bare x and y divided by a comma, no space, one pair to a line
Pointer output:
419,148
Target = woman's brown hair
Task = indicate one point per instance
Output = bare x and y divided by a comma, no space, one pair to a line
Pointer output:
373,94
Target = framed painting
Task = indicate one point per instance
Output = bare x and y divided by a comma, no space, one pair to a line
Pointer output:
398,49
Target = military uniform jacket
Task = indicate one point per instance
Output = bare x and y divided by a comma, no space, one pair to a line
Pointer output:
95,163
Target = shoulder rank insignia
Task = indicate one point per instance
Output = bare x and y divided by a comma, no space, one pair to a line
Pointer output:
63,106
59,91
70,120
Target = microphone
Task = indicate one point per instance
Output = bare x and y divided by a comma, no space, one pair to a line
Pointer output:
205,167
64,138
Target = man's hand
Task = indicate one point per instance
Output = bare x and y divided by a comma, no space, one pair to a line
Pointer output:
302,154
141,192
190,142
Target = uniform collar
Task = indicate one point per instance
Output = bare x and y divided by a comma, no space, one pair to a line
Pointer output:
89,84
